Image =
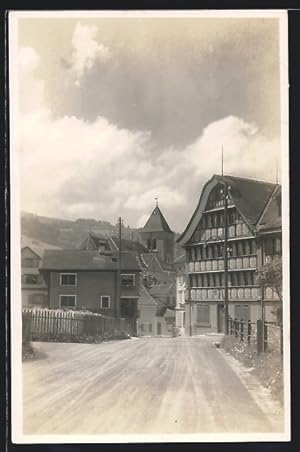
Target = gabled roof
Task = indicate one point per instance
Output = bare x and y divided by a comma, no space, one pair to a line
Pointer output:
145,298
156,222
36,246
271,217
163,310
163,289
129,245
248,195
180,259
93,242
154,264
87,260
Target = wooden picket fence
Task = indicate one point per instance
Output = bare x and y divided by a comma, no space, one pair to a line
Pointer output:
40,324
263,335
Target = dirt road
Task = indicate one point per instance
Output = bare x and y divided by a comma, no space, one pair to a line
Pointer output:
158,385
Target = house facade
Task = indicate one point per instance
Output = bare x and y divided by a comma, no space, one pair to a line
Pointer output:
83,279
33,286
254,236
154,317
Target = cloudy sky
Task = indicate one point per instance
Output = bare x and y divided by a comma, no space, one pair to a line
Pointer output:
118,111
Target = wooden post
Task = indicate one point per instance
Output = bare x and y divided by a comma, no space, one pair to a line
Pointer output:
26,327
241,330
259,336
235,328
249,332
265,337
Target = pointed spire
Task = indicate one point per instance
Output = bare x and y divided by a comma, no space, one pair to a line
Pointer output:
156,222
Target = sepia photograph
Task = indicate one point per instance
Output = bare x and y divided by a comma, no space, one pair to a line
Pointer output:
149,174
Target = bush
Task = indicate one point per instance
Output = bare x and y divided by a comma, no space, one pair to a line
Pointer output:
80,338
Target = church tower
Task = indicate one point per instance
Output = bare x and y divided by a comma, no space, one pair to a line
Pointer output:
158,237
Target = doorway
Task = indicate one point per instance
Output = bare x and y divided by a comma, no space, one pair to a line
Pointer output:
221,318
158,328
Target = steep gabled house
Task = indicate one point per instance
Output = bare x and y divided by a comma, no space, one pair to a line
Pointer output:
254,233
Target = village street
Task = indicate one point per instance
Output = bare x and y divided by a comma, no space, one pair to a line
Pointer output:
149,385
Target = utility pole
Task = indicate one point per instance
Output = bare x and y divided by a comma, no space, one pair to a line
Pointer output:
118,291
226,256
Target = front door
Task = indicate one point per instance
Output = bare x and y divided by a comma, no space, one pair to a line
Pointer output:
129,311
221,318
158,328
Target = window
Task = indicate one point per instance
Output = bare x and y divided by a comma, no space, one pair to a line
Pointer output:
241,312
202,315
105,301
253,246
150,327
154,244
68,279
67,301
127,280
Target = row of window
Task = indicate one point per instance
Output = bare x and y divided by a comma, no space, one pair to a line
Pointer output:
69,301
272,246
241,312
235,279
70,279
216,219
234,230
216,250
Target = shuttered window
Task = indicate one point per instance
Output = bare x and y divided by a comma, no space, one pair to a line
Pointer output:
202,316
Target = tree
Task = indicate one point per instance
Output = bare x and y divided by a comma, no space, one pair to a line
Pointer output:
270,275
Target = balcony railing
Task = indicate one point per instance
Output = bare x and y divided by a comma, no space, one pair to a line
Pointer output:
217,293
234,230
234,263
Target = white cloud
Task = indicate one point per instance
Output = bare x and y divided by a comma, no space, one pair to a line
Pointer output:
31,90
74,168
86,50
247,152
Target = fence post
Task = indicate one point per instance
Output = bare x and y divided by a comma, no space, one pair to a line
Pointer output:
241,330
235,328
249,332
265,337
259,336
26,327
230,325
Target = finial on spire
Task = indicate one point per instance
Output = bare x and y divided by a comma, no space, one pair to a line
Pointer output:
156,199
